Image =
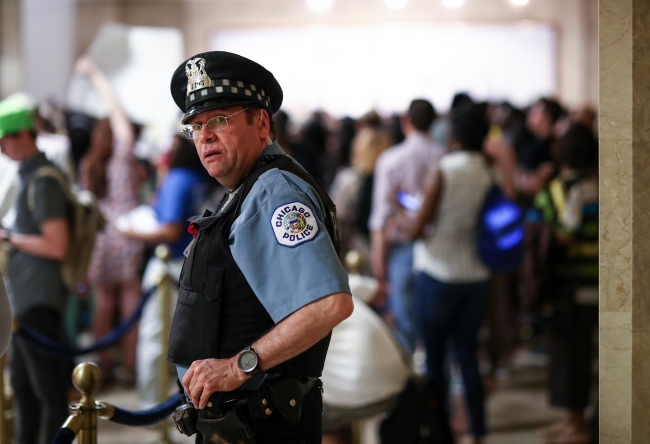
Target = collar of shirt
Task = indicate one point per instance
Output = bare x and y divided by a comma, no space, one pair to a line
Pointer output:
32,164
274,148
463,156
417,138
231,195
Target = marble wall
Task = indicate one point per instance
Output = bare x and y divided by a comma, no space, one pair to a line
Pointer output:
624,50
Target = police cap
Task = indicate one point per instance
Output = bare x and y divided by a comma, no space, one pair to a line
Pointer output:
218,79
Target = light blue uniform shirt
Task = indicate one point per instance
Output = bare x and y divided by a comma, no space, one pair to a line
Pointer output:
286,271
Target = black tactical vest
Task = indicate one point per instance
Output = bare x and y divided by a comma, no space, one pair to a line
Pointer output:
218,314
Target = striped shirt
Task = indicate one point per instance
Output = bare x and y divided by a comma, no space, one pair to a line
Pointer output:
448,252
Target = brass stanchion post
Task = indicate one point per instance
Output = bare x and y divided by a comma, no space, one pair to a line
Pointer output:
87,377
356,431
164,254
353,262
5,420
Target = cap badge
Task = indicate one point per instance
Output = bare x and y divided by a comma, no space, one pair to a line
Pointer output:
197,78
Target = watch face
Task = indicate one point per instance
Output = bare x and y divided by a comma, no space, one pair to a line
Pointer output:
247,361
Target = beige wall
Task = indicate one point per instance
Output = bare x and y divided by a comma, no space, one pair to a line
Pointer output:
574,20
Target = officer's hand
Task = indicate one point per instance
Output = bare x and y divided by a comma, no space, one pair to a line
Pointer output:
207,376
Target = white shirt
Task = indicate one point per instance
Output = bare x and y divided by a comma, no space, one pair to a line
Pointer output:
449,252
404,167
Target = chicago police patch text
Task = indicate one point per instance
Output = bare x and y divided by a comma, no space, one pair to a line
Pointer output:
293,224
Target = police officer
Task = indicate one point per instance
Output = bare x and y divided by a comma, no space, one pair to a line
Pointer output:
262,285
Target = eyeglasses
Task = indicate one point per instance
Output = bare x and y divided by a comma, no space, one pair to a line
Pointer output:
215,124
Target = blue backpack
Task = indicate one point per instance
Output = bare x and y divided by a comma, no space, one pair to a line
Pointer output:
500,232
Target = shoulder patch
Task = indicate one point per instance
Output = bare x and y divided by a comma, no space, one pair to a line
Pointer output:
293,224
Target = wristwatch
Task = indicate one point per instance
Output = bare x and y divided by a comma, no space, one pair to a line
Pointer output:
249,362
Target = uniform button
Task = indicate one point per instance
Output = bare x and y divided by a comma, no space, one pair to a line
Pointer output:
292,403
209,404
268,411
264,401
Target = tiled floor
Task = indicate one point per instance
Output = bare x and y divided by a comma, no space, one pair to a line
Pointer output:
516,409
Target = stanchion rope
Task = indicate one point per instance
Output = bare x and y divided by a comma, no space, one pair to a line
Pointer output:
111,337
64,436
146,417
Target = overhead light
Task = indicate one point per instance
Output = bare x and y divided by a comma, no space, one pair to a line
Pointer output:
519,2
396,4
453,3
320,5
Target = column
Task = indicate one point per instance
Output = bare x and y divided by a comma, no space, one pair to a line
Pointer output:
11,69
48,34
624,50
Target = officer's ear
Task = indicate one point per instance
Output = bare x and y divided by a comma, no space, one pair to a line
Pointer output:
263,112
264,124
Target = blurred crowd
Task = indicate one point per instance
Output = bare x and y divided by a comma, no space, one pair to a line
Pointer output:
409,188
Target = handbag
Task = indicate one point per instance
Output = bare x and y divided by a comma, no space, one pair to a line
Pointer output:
419,417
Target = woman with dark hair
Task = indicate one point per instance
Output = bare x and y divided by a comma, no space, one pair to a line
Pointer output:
452,284
311,149
109,169
95,162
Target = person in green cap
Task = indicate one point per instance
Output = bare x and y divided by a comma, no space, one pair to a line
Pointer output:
39,242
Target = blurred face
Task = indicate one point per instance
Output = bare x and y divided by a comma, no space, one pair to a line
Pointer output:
15,146
229,154
499,115
538,122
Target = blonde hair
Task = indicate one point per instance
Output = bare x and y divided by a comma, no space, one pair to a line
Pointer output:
367,145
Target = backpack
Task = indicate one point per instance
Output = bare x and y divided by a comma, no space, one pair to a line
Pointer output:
86,220
500,232
420,417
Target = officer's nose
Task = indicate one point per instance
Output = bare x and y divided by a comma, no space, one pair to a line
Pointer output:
206,135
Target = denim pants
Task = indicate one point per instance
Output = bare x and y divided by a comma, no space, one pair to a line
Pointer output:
454,311
401,293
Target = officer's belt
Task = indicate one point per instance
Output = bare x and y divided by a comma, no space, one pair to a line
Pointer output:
281,397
